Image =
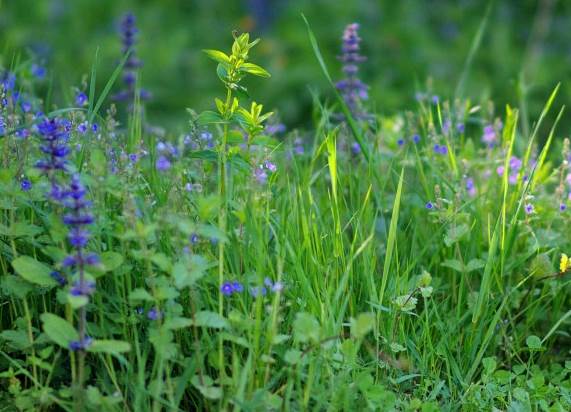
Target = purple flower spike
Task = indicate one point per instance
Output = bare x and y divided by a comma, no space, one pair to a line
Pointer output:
353,90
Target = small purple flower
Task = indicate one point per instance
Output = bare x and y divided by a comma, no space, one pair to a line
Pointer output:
80,345
25,184
82,127
429,205
260,175
529,209
436,148
435,99
237,287
400,142
470,187
416,139
58,277
87,288
461,128
26,106
489,136
133,157
270,166
80,99
355,148
39,72
258,291
194,238
227,289
273,129
154,314
163,164
94,127
443,150
562,207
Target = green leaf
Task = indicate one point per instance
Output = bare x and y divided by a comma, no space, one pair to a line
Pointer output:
33,271
209,117
111,260
254,69
218,56
363,324
205,387
59,330
140,295
455,234
306,328
210,319
177,323
112,347
453,264
475,264
533,343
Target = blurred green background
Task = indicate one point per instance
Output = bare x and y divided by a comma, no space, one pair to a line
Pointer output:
406,41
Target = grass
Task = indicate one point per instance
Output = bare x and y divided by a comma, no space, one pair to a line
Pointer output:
395,277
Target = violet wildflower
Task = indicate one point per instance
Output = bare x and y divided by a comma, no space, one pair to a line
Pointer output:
258,291
55,136
237,287
435,99
416,139
26,106
58,277
154,314
80,99
470,187
562,207
429,205
353,90
400,142
436,148
25,185
529,209
260,175
227,289
273,129
355,148
194,238
82,127
270,166
163,164
460,128
39,72
489,137
443,150
87,288
81,344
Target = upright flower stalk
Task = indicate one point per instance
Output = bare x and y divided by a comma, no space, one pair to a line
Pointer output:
353,90
128,31
231,70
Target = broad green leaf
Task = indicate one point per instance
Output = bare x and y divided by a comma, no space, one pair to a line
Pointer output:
217,55
533,342
455,234
112,347
140,295
363,324
33,271
59,330
254,69
111,260
453,264
210,319
306,328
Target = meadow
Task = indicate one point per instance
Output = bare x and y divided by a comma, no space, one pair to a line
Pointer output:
406,261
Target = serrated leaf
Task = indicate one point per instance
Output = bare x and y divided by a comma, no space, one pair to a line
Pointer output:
33,271
59,330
